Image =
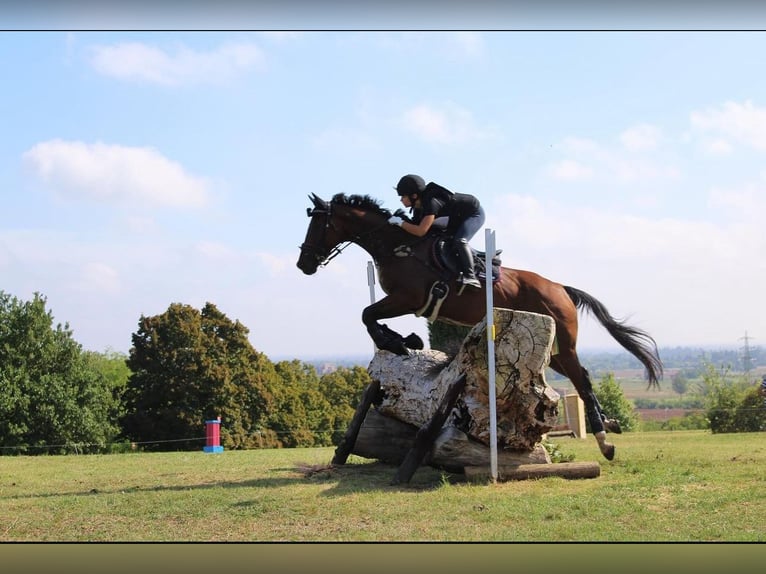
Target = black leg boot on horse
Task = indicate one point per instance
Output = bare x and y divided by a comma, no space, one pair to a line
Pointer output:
467,276
596,420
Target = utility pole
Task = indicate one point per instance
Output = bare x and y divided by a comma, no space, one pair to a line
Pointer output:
747,357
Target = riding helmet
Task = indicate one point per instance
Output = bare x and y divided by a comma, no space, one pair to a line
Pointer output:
410,184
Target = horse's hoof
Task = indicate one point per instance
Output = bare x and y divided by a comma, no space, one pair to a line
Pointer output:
608,451
612,425
397,347
412,341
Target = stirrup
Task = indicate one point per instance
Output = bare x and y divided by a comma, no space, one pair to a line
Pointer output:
464,282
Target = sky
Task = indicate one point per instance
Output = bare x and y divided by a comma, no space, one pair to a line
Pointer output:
144,168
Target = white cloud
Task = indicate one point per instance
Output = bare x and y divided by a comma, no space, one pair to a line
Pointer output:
345,140
640,138
691,281
470,44
717,147
115,173
98,278
581,146
746,203
216,252
274,264
447,124
140,224
586,159
629,170
143,63
570,170
743,122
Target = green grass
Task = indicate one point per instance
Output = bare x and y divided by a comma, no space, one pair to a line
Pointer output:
663,486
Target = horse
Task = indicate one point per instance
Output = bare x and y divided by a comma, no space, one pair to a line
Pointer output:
408,276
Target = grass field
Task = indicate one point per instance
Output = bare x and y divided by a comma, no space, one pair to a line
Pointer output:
663,486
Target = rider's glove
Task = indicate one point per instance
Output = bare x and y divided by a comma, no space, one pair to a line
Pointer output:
395,220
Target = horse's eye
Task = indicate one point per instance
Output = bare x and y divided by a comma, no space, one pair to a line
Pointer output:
308,211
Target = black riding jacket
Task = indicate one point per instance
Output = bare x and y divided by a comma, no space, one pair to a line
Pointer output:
441,202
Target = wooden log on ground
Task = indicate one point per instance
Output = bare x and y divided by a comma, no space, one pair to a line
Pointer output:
389,440
453,448
527,471
384,438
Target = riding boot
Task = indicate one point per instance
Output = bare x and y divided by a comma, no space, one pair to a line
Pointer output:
465,259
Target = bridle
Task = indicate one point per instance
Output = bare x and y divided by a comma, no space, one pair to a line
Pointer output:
322,255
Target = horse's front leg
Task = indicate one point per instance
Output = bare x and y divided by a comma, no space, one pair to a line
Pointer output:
384,337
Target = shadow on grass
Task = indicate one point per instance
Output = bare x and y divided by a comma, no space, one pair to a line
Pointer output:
354,477
350,478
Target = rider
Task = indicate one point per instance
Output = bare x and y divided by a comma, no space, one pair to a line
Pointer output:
432,201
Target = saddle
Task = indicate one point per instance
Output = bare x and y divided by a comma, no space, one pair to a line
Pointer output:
444,258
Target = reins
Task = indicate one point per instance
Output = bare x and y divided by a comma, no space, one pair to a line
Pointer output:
323,255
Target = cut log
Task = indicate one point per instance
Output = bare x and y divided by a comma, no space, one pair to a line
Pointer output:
527,471
389,440
453,448
412,386
424,409
384,438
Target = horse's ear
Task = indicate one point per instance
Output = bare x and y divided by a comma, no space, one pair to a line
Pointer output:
318,202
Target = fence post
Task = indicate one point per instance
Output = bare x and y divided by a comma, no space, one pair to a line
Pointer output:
371,284
489,250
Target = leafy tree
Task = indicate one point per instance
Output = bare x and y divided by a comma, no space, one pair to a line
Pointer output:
750,413
680,383
689,421
724,396
53,399
615,404
189,366
300,409
343,390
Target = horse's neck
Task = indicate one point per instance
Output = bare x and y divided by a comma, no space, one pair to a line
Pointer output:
397,246
381,240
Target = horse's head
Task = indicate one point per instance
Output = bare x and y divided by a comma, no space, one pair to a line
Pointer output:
320,240
346,218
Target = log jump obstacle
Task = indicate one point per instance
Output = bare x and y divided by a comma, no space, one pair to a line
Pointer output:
425,409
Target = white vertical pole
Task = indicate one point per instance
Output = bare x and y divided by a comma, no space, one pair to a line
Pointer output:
489,239
371,284
371,280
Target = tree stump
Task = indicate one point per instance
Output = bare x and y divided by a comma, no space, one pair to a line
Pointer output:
412,389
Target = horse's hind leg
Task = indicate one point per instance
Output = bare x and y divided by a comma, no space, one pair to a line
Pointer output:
569,366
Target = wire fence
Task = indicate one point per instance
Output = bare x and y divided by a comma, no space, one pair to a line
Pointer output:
135,445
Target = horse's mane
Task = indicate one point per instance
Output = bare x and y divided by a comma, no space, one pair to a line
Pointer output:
365,202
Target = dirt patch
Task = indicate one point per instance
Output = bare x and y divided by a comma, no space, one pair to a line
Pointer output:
662,414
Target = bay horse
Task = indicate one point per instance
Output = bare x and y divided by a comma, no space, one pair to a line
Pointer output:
406,274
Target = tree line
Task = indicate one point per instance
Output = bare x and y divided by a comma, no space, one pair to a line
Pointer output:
185,366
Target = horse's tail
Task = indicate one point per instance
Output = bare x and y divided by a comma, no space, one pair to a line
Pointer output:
639,343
